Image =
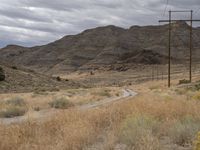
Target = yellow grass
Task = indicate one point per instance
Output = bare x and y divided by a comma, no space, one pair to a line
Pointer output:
77,96
74,130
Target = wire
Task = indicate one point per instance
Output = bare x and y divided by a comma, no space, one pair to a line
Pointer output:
197,11
166,5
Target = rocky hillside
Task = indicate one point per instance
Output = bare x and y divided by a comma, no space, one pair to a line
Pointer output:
25,80
103,46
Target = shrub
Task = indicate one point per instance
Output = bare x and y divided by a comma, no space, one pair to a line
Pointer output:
184,81
105,93
12,112
61,103
40,92
58,78
197,96
183,131
2,74
154,87
36,108
14,67
197,87
139,132
16,101
197,142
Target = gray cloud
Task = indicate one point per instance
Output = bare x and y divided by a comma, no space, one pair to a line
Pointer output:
35,22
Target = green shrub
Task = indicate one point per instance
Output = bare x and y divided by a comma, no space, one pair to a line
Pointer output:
61,103
184,131
184,81
140,132
12,112
17,101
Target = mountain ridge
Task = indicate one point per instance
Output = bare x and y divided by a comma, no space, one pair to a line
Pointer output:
105,45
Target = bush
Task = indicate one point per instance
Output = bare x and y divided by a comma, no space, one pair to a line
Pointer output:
105,93
197,87
14,67
58,78
197,142
36,108
61,103
16,101
184,81
184,131
197,96
12,112
2,74
139,133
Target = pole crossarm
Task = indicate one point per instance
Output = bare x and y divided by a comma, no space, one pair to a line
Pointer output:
178,20
180,10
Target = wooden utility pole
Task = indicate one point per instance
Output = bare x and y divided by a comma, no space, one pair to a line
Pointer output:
169,51
169,44
191,45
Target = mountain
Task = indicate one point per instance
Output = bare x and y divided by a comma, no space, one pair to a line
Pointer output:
109,45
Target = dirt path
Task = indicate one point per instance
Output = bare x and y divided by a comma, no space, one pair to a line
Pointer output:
126,93
44,114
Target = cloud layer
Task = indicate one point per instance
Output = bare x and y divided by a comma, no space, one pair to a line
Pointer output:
36,22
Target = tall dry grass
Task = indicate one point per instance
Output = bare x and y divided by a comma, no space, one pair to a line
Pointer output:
74,130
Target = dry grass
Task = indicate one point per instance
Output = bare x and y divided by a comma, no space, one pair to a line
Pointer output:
42,99
138,132
183,131
61,103
12,108
74,130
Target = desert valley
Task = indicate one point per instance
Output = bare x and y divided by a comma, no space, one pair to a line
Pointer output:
102,89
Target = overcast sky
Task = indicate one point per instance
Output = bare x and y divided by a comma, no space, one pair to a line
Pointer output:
36,22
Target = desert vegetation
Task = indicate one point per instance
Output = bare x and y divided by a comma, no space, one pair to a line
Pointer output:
101,89
12,108
150,121
61,103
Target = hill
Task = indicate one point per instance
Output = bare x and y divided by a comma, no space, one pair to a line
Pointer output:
25,80
109,45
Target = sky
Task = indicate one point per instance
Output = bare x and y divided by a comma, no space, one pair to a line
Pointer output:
38,22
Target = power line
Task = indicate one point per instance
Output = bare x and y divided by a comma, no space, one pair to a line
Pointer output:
166,5
191,44
197,11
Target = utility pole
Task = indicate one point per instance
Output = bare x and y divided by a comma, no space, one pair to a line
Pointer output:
169,44
191,45
169,51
